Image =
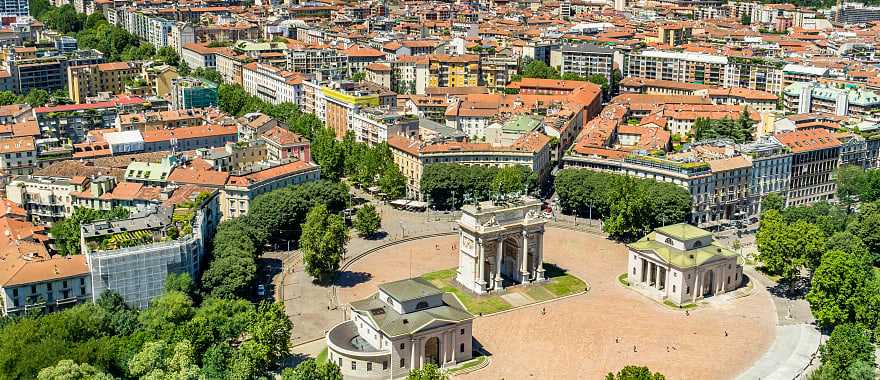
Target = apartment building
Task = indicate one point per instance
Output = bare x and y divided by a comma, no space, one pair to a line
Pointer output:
815,154
284,145
771,169
104,193
410,75
229,64
358,57
453,70
197,55
810,97
344,99
497,71
69,123
531,150
792,73
189,138
49,73
14,7
245,185
191,92
45,199
148,121
134,256
271,84
675,34
32,280
18,155
681,67
759,74
584,60
322,61
88,81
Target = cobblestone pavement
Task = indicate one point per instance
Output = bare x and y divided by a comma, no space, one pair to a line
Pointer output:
576,336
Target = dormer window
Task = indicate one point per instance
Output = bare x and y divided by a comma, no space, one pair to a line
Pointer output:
421,305
669,241
697,244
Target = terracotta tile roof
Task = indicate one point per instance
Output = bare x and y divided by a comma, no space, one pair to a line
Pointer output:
198,176
404,144
365,52
271,173
283,137
17,145
85,106
189,132
808,140
732,163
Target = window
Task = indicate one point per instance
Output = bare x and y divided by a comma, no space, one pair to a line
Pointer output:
402,345
354,365
634,271
688,290
461,347
384,365
340,362
421,305
669,241
402,362
673,288
461,332
369,366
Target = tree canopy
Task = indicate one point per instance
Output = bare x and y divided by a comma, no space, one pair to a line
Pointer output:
367,220
629,207
632,372
323,243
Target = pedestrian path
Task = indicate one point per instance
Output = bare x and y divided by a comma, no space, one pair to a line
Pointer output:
791,353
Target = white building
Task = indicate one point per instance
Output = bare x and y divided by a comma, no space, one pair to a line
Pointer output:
406,325
681,263
272,84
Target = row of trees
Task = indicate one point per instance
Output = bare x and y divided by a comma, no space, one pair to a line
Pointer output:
835,251
449,186
173,338
364,165
629,207
273,217
740,130
36,97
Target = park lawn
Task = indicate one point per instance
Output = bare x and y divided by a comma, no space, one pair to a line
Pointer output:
540,293
558,286
467,365
322,357
686,306
564,285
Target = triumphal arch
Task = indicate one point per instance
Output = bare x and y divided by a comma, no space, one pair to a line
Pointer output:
501,243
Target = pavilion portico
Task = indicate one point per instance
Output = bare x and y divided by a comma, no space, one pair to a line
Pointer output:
681,263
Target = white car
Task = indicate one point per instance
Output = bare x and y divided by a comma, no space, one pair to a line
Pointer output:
261,290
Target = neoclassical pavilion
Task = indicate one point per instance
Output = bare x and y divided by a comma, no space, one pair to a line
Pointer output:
405,325
681,263
501,244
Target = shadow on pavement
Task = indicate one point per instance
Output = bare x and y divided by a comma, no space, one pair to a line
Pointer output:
349,279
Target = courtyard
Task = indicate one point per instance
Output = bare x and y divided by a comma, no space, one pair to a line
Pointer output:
590,334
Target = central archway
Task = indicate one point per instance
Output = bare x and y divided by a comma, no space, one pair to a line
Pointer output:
510,252
432,351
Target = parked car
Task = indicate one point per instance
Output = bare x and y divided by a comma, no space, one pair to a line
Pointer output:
261,290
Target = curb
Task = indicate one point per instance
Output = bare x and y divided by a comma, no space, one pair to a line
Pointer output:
484,364
582,292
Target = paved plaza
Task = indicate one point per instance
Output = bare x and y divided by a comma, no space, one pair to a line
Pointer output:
576,336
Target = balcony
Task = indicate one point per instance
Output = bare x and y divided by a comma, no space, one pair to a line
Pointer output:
344,339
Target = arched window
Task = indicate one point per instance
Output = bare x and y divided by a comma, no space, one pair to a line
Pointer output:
669,241
698,244
421,305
